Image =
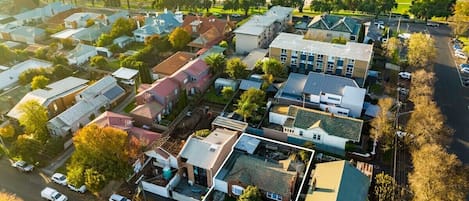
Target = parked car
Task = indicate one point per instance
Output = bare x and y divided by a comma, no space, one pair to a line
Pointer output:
465,70
405,75
59,179
52,195
433,24
465,83
464,66
460,55
23,166
116,197
457,47
403,91
81,189
235,15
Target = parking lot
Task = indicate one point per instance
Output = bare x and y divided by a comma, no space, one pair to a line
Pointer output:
460,59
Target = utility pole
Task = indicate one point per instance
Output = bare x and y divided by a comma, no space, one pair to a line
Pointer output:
396,143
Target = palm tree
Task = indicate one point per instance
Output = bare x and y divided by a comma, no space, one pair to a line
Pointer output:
246,109
217,62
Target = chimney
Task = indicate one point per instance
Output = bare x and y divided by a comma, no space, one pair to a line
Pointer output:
165,10
138,23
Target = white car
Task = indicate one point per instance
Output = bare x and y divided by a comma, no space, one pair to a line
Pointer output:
235,15
460,55
403,91
116,197
81,189
405,75
23,166
465,70
59,179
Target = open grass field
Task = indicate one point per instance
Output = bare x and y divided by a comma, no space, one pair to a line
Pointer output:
403,6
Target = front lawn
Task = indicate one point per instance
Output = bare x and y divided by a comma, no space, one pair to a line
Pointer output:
212,96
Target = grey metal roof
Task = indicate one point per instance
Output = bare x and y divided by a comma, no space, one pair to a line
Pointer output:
247,84
321,82
295,84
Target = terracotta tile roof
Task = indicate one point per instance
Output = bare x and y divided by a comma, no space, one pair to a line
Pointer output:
165,87
196,67
146,137
208,38
207,23
173,63
148,110
113,119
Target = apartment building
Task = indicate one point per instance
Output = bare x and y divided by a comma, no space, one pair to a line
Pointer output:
302,56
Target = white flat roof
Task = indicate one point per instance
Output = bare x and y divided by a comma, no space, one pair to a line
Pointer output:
351,50
256,25
125,73
67,33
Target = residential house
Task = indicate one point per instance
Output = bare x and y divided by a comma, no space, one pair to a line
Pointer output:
335,94
207,31
123,122
123,41
28,34
111,19
327,27
212,50
327,131
66,34
55,97
172,64
201,158
161,24
260,30
6,30
37,15
10,77
247,84
81,54
263,163
253,57
148,113
91,34
194,77
126,75
372,33
338,181
303,56
220,83
91,102
78,20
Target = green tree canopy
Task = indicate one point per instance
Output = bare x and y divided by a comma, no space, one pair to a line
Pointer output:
249,102
227,92
123,26
274,67
26,148
235,68
34,119
39,82
421,50
104,158
216,62
438,175
251,193
426,9
385,187
4,196
98,61
381,126
27,76
6,55
179,38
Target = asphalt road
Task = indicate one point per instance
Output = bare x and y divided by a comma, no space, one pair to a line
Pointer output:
450,95
28,186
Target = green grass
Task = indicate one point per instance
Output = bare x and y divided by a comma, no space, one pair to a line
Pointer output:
114,65
10,98
130,107
213,97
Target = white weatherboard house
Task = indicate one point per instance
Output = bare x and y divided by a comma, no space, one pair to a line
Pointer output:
90,103
81,54
9,77
327,131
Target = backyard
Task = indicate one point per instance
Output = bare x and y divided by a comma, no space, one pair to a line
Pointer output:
12,96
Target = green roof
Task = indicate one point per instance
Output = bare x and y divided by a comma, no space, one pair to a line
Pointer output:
340,126
335,23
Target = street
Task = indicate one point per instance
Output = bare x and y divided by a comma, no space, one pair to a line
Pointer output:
28,186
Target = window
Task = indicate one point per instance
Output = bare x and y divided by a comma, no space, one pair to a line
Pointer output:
349,71
284,52
319,137
273,196
320,57
294,54
319,66
175,91
332,98
314,136
330,67
301,133
352,38
293,61
283,59
237,190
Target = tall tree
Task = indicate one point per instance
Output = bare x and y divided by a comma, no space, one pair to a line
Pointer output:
426,9
39,82
421,85
104,158
421,50
427,125
26,148
6,55
381,125
385,187
227,92
34,120
98,61
235,68
246,5
249,102
179,38
4,196
7,132
323,5
274,67
392,47
438,175
217,62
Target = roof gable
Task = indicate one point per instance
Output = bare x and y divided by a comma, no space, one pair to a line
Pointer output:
340,126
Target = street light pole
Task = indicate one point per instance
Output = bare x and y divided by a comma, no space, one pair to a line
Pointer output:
396,124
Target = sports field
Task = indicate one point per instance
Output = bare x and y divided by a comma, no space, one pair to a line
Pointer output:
403,6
